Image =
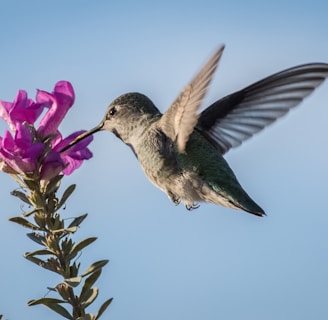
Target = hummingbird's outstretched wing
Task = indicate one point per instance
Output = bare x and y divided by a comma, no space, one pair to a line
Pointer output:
235,118
179,120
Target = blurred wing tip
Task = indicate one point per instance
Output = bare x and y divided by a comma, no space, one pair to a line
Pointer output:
221,47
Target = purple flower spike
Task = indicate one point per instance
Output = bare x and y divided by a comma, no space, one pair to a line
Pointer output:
59,102
22,109
20,153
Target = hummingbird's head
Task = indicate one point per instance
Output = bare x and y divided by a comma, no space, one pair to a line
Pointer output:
129,114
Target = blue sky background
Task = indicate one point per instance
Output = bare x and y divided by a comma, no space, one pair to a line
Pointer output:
166,262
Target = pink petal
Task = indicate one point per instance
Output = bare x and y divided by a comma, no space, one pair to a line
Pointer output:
22,109
74,156
4,112
52,166
59,101
20,153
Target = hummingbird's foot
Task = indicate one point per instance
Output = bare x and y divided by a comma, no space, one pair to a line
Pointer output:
176,202
195,205
173,198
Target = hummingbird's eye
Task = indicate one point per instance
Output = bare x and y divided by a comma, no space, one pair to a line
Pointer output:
112,111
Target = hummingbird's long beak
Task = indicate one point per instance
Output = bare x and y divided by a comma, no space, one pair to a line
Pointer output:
99,127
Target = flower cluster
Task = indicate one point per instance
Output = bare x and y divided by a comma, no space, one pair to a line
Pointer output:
29,149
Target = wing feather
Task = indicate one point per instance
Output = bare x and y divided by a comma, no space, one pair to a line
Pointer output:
235,118
179,121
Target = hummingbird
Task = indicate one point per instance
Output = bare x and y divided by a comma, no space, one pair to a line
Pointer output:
181,151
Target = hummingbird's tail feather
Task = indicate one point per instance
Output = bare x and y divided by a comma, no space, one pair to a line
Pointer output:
251,207
238,199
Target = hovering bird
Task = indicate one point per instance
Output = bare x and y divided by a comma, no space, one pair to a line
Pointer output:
181,151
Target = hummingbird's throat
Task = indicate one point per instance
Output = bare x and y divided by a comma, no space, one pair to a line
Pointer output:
117,134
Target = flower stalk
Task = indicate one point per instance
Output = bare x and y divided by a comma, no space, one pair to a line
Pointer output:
58,252
31,155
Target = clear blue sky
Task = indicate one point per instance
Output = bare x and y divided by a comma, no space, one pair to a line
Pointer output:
167,263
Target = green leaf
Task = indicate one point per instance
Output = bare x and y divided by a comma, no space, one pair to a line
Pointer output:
52,304
37,199
25,223
51,289
65,231
54,184
94,267
90,297
21,195
37,261
28,213
82,244
44,301
57,223
31,184
103,307
65,291
88,316
40,220
51,264
73,282
37,237
66,195
71,229
77,221
37,252
88,283
74,268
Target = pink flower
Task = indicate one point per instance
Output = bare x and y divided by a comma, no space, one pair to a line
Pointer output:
22,109
74,156
20,152
67,161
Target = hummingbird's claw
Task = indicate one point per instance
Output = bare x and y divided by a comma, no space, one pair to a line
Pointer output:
195,205
174,198
176,202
